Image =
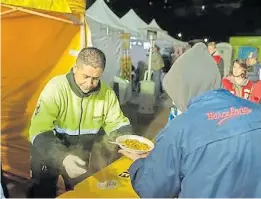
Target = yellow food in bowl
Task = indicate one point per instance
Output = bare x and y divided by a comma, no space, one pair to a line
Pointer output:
135,145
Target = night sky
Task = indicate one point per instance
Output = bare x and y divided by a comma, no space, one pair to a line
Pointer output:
217,20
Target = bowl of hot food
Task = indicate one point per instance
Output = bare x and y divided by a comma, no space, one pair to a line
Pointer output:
134,144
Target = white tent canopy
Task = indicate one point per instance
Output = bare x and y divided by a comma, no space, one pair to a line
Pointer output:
101,13
105,28
133,20
154,24
164,41
162,35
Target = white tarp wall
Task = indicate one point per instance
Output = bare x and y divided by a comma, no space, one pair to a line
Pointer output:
163,39
136,23
107,40
105,29
138,53
100,12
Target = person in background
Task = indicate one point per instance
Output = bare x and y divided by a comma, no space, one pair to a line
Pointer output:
216,56
212,149
157,65
140,72
178,51
71,110
167,64
237,82
133,78
253,67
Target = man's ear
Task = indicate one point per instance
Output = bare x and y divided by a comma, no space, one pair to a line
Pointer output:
74,69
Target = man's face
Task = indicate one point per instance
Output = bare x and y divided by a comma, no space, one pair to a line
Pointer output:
87,77
237,70
251,61
211,49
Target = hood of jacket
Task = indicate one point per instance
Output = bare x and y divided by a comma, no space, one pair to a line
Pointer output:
191,75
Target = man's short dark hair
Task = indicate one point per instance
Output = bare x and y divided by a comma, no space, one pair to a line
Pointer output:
92,57
157,47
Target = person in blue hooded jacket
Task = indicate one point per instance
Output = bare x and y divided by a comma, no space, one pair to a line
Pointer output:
212,149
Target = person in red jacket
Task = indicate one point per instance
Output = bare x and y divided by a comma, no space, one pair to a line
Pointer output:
212,49
237,83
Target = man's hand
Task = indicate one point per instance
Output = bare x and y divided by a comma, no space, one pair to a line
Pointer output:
72,165
133,156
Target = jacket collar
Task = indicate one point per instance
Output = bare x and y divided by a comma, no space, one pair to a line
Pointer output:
76,89
207,95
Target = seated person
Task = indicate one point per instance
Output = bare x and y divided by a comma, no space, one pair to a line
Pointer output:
236,82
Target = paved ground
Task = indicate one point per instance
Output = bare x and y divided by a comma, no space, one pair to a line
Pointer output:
145,125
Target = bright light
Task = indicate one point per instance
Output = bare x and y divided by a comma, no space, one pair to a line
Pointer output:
146,45
133,38
203,7
150,2
206,40
180,35
108,1
166,1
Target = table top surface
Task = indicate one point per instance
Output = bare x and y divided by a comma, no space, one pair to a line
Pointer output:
111,182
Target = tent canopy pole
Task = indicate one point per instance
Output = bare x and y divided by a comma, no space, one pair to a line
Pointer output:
83,32
8,11
34,13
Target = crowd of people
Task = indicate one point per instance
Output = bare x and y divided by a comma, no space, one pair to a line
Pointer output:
243,79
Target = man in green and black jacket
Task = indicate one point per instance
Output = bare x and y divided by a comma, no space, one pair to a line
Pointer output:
71,110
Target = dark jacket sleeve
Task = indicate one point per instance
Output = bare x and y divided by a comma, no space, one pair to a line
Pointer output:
50,148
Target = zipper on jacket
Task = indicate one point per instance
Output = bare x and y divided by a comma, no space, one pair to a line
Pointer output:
79,128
